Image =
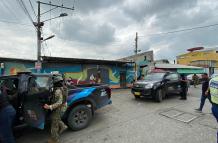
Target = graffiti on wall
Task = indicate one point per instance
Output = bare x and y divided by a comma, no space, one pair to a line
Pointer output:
85,74
12,68
94,74
79,74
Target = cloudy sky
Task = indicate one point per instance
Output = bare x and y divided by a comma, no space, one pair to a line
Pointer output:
105,29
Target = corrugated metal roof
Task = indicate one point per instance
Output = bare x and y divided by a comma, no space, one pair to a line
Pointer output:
77,60
16,59
66,60
175,66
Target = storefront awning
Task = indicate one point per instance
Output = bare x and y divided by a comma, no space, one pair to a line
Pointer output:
191,71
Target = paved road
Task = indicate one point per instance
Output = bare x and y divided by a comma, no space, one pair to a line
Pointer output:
142,121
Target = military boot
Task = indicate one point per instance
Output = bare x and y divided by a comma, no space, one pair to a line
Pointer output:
62,128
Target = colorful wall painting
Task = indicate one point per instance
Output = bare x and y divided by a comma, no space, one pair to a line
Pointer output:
77,73
12,68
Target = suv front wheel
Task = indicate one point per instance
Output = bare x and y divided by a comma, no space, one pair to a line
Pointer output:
158,95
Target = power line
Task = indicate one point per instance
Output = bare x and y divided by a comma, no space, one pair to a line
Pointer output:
181,30
27,12
32,8
9,9
13,22
23,6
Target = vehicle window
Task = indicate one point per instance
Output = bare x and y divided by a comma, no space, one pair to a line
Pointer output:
42,81
172,77
38,84
9,87
154,76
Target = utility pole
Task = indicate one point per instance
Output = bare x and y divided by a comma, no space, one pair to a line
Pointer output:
38,28
136,51
39,24
136,43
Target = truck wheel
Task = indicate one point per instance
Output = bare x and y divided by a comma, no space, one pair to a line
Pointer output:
159,95
79,117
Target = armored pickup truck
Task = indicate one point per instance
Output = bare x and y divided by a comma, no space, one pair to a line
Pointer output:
28,93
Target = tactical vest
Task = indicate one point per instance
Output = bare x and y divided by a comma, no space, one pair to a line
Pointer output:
214,90
64,91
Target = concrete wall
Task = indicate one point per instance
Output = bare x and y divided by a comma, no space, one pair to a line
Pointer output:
143,62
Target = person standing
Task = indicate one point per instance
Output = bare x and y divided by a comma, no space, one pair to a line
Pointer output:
195,80
213,89
204,96
184,86
58,107
7,115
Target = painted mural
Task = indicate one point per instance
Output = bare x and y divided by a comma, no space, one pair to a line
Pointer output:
84,74
142,67
12,68
95,74
114,76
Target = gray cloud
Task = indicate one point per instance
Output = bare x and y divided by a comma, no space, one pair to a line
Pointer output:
86,31
169,46
84,6
164,8
106,28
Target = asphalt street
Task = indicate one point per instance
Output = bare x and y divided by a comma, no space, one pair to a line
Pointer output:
142,121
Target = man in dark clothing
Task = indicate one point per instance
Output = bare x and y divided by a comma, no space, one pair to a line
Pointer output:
7,115
205,85
184,86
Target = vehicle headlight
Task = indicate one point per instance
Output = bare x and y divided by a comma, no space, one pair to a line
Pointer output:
149,86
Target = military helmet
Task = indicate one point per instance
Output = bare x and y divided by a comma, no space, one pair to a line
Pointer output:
57,78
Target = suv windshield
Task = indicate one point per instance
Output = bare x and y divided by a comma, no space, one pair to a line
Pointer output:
154,76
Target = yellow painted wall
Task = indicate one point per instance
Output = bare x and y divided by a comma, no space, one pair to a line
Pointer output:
186,59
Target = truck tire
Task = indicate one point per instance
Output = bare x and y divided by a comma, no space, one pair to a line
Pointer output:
79,117
158,95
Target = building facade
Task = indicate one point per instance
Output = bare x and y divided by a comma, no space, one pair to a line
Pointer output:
116,74
141,62
204,58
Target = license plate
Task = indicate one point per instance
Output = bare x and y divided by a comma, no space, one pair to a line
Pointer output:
137,93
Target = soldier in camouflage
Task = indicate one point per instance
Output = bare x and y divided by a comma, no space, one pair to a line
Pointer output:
58,107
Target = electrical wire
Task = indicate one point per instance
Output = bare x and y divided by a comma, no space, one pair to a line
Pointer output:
13,22
181,30
23,7
32,8
9,9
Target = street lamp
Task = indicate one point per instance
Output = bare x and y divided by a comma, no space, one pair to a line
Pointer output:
61,15
50,37
136,52
39,25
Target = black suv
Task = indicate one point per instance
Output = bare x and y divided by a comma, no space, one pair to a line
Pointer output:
157,85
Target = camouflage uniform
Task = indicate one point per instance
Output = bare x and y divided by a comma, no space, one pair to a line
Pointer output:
58,108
